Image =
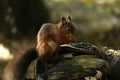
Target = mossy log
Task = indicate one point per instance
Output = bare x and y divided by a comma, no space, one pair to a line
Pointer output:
87,62
78,68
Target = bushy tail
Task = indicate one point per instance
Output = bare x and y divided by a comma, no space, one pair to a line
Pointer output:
16,68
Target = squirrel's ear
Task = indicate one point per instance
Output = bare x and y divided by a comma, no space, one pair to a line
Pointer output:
63,20
68,18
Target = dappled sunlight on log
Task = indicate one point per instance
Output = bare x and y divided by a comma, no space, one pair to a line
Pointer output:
5,53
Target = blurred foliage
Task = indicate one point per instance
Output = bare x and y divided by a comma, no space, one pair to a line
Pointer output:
111,38
93,18
22,18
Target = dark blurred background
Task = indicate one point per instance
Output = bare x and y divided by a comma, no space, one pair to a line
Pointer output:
96,21
22,18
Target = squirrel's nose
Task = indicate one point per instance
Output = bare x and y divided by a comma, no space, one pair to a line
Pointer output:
74,39
71,38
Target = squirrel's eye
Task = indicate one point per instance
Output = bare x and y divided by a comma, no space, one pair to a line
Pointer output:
68,29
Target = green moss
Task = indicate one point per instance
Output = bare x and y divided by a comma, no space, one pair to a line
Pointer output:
86,61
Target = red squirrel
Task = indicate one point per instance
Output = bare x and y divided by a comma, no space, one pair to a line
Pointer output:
51,36
49,39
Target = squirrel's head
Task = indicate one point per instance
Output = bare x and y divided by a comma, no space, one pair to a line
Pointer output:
66,30
66,23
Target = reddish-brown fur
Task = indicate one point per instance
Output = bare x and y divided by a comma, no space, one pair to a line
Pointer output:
51,36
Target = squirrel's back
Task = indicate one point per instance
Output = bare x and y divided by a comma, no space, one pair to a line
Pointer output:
45,31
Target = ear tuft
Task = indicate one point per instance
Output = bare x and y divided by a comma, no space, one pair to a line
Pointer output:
62,19
69,18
